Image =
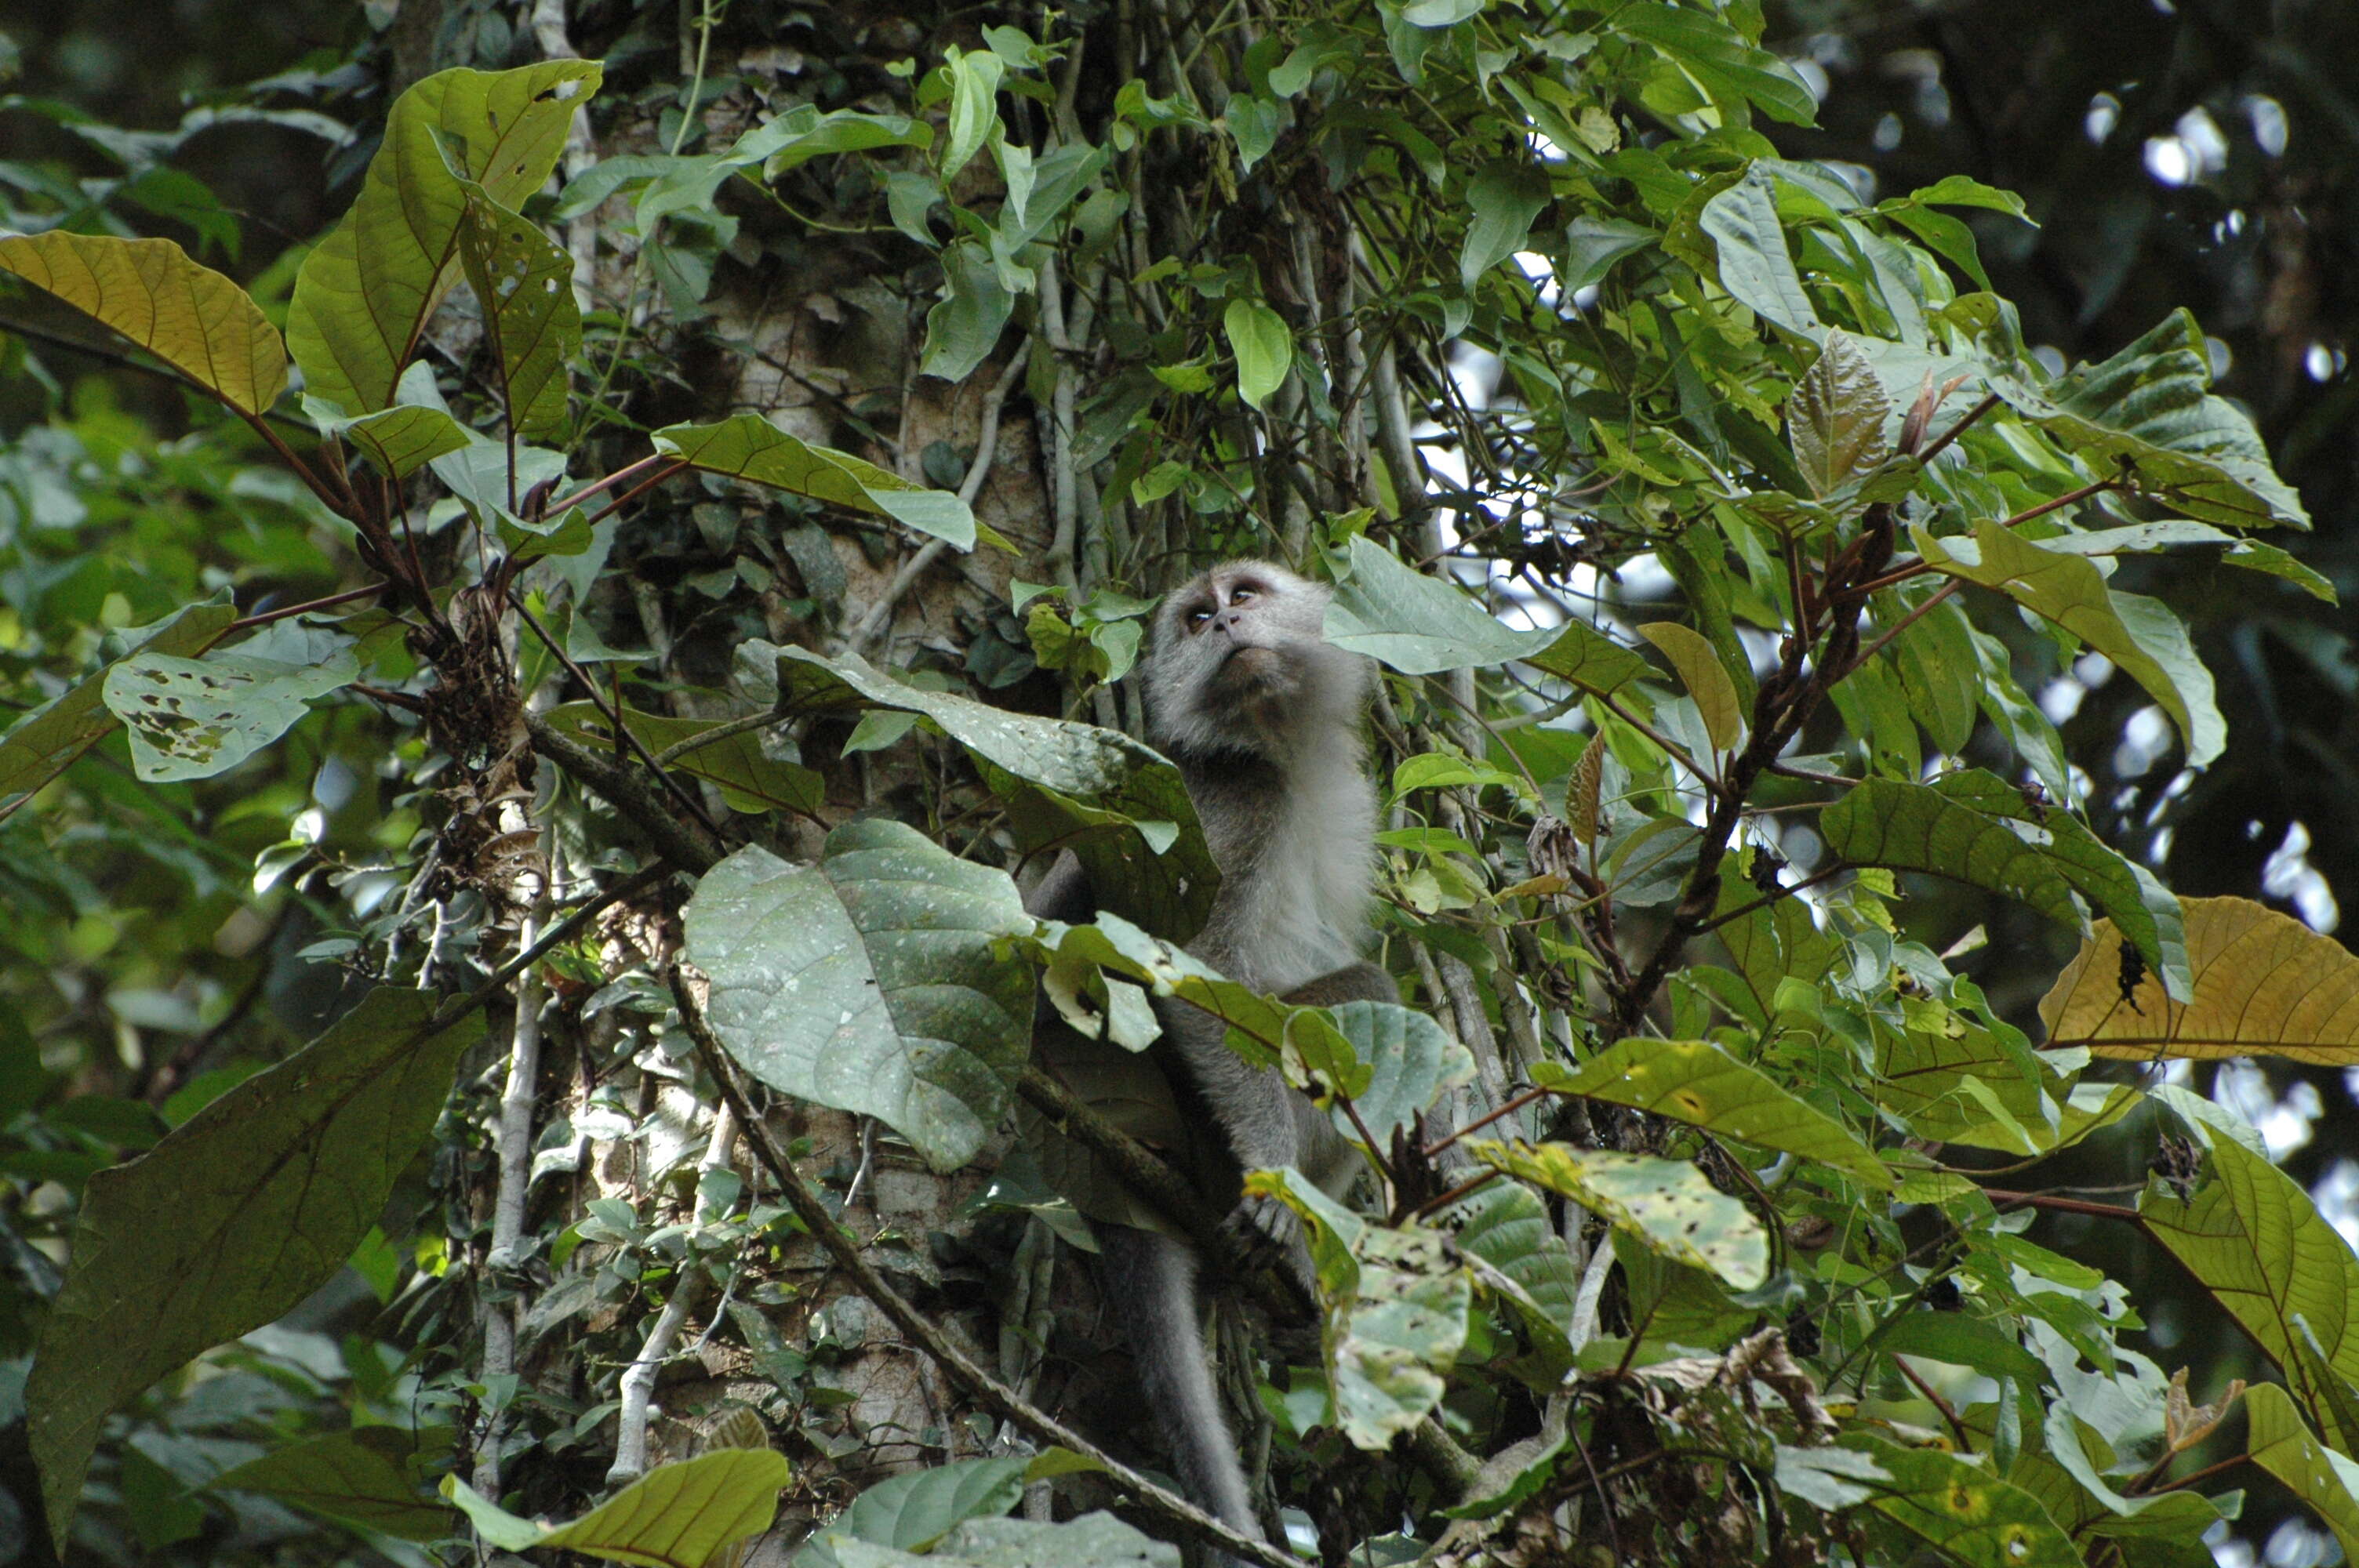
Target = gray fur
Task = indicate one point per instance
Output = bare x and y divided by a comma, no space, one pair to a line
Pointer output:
1263,718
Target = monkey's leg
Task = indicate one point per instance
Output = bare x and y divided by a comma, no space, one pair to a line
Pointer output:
1151,1286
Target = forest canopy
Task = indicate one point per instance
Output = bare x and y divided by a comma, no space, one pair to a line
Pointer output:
560,568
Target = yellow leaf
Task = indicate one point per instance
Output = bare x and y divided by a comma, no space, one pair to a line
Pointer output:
2265,985
1707,681
191,317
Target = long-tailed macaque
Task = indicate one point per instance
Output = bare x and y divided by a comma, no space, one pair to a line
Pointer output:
1263,718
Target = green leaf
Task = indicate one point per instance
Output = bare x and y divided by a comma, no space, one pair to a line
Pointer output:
1667,1204
1974,828
1956,1505
1120,809
2280,1442
1505,197
1696,1082
871,982
750,447
676,1516
1835,419
403,438
45,742
1093,1540
749,780
2256,1242
191,317
1508,1227
366,292
1593,244
963,327
524,282
974,110
1704,45
191,719
1754,265
912,1510
2263,985
367,1476
1706,678
1423,625
2146,411
1394,1310
1411,1062
2137,634
1264,349
240,1213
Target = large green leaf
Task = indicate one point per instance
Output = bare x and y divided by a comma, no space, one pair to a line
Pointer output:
191,719
44,743
1754,265
191,317
365,293
1835,419
871,982
1120,809
240,1213
2255,1241
1410,1060
1735,71
1093,1540
2148,412
1972,827
1955,1504
2265,985
1669,1204
1504,196
2137,634
964,325
1696,1082
911,1510
1263,347
1706,678
2281,1443
1395,1306
750,447
1423,625
368,1476
676,1516
524,282
1508,1227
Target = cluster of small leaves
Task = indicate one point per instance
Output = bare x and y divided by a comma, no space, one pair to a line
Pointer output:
1729,1221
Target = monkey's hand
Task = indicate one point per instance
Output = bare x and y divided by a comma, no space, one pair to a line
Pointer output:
1268,1235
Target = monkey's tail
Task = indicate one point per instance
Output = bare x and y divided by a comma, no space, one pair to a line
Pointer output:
1151,1286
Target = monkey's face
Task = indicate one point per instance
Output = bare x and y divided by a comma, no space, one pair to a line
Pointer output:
1240,663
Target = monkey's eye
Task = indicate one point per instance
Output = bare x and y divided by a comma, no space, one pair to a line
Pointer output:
1239,595
1198,616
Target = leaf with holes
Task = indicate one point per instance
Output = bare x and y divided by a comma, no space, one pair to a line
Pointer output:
1667,1204
191,719
365,294
45,742
1394,1310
